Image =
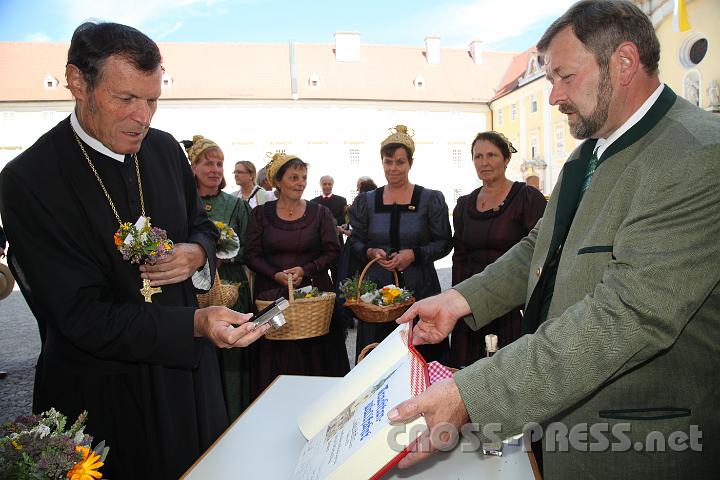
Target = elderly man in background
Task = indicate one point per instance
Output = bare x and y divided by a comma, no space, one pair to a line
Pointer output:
146,373
619,278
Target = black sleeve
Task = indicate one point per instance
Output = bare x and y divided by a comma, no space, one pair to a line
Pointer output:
75,294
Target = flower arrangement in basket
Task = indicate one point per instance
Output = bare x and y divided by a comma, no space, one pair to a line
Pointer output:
38,446
374,305
222,293
308,315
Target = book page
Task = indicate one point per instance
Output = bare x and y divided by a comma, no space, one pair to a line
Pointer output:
322,411
357,442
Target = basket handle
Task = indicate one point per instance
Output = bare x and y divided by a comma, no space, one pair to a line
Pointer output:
362,277
291,289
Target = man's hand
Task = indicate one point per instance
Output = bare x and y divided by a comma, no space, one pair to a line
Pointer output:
175,268
216,323
438,316
440,404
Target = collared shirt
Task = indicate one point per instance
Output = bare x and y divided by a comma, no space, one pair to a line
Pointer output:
93,143
602,143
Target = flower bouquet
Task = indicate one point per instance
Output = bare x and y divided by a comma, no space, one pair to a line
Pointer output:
222,293
38,446
374,305
307,292
228,244
141,242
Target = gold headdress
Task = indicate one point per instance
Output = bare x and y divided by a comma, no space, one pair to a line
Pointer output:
400,135
199,145
276,162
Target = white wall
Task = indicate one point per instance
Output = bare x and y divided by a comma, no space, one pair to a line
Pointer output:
321,133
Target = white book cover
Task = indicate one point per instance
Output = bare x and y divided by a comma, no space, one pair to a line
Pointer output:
348,429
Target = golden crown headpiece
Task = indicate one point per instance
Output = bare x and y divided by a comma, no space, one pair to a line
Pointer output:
277,160
198,146
399,134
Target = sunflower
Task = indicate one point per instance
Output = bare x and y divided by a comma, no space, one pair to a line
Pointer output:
87,467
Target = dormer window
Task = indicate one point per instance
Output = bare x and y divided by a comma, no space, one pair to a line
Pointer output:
167,80
419,82
314,80
50,82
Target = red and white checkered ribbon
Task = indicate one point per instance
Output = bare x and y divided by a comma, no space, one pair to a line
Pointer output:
437,371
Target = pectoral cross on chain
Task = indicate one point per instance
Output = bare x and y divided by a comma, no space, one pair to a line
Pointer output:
147,291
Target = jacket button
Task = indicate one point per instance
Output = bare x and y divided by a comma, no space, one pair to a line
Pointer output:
538,272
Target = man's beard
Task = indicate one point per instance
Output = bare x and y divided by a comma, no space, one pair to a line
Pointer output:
585,127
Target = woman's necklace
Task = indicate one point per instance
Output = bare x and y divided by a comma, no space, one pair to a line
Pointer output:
490,199
146,291
289,209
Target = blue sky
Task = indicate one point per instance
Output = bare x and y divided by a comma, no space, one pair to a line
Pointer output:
502,24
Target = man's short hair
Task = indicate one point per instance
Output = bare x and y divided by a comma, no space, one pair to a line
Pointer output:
93,43
327,176
602,25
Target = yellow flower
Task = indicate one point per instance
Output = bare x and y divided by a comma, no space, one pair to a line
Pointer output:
87,467
16,445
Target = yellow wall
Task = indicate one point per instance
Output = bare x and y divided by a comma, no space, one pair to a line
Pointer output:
704,18
527,124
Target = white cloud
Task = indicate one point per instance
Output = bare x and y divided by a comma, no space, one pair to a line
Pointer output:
168,31
37,37
488,20
150,16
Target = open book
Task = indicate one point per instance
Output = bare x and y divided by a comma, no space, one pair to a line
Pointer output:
349,433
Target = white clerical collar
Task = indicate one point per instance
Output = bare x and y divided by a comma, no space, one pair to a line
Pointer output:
91,142
602,144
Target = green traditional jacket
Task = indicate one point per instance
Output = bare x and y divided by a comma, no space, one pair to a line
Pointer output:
234,212
630,337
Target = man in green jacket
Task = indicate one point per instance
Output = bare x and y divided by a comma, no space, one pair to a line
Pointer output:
620,278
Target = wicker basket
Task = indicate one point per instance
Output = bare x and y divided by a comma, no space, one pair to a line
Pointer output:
370,313
305,317
220,294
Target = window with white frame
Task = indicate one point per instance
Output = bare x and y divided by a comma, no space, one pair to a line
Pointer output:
533,103
534,144
457,156
354,156
513,111
49,116
500,116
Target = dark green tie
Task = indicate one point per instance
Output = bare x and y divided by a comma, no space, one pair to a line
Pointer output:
592,165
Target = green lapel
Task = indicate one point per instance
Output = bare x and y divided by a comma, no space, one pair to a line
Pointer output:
572,178
661,106
573,175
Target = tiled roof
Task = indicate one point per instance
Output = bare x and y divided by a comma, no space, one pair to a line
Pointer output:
263,71
514,72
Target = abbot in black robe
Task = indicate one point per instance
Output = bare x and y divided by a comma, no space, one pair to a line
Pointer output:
152,390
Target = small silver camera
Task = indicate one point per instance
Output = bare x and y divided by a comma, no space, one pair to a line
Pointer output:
271,314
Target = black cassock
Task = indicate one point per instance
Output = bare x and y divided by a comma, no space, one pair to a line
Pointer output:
152,390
